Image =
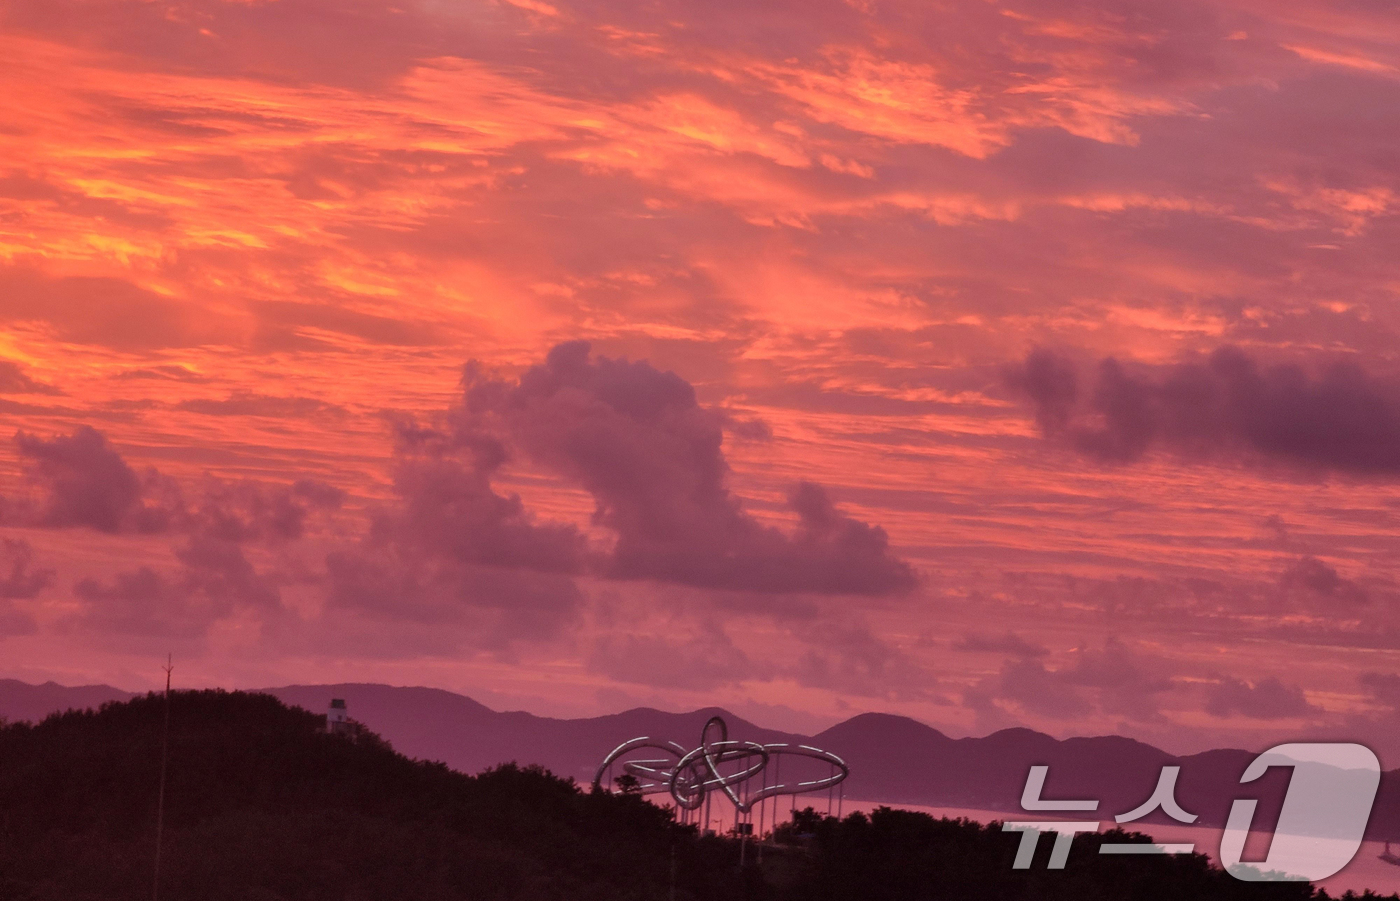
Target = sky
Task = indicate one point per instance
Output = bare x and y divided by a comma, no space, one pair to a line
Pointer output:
990,363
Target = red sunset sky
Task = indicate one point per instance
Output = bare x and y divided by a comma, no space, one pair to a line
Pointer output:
991,363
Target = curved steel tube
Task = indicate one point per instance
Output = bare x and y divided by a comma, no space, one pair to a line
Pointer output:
688,776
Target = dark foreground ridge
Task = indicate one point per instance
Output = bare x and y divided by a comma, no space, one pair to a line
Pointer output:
894,759
264,805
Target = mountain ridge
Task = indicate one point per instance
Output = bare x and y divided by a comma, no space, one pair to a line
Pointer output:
893,759
262,803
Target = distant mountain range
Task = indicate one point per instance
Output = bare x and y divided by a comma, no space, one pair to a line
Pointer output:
893,759
22,701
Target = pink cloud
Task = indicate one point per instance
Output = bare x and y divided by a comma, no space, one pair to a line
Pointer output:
637,440
239,237
1341,420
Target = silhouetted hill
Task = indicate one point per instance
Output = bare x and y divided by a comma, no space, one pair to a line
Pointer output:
262,804
893,759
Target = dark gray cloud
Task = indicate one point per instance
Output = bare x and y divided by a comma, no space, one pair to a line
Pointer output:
703,659
449,509
218,569
453,551
1312,585
1341,419
405,589
214,581
1385,687
80,481
1266,699
1006,643
1114,680
248,511
14,380
1380,726
249,403
651,456
84,482
851,659
1050,383
19,577
453,554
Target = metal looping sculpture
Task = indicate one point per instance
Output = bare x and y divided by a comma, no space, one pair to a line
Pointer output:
689,776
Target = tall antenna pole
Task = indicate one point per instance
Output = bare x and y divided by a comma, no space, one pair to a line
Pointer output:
164,757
